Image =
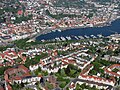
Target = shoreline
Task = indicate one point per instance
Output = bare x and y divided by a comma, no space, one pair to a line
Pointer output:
43,32
76,27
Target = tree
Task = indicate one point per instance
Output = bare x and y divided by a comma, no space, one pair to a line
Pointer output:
59,71
78,87
62,72
83,86
93,72
41,80
67,70
2,69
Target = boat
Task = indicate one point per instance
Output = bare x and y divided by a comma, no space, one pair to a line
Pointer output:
76,38
100,35
53,30
59,30
58,39
62,38
92,36
81,37
68,38
42,40
86,36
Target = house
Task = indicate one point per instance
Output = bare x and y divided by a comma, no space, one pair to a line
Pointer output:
20,12
16,73
109,70
19,74
53,81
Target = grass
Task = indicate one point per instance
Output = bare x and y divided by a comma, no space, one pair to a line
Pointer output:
63,84
98,64
50,86
40,72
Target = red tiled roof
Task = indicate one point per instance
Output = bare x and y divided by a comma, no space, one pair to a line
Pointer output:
112,67
1,88
11,71
2,55
95,78
64,62
9,87
72,85
17,78
20,12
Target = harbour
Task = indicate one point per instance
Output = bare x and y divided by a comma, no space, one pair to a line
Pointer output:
81,33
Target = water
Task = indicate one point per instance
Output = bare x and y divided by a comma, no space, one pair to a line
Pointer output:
105,31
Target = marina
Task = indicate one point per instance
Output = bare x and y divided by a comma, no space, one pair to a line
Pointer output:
72,38
81,33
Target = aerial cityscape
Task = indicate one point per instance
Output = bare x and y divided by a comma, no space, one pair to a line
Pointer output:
59,44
